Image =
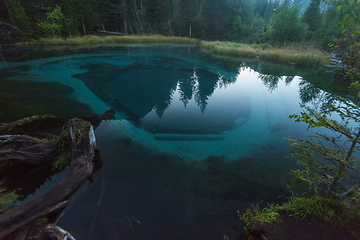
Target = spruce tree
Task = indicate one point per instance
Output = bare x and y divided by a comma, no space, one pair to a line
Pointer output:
312,17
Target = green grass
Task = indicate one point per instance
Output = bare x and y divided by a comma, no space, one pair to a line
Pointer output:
293,54
255,215
327,210
91,39
287,54
6,198
335,212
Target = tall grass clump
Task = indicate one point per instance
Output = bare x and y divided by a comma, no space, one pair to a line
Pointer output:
47,41
339,214
88,39
306,57
92,39
148,39
287,54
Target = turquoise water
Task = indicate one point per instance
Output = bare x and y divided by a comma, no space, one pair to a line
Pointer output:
195,137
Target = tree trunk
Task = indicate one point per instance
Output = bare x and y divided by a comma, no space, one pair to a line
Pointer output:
82,20
123,3
137,15
9,12
190,30
334,184
131,29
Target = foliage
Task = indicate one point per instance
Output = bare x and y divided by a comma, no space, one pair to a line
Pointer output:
238,28
355,86
200,26
328,28
329,163
255,215
312,17
348,43
332,211
351,16
315,208
287,26
252,21
52,23
6,198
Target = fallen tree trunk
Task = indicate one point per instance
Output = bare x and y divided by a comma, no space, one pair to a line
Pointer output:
31,125
78,137
115,33
83,152
37,154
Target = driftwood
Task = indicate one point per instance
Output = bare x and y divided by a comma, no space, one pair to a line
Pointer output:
78,137
37,154
115,33
31,125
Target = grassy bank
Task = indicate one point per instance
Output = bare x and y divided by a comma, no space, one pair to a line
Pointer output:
340,214
92,39
290,54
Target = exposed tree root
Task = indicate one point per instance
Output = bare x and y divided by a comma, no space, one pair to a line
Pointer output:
78,138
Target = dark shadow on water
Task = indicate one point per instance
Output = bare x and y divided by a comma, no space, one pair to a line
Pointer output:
173,198
20,99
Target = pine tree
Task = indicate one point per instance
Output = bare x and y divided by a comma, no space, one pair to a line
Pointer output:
312,17
286,24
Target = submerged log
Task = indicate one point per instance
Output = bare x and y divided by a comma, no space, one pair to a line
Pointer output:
78,137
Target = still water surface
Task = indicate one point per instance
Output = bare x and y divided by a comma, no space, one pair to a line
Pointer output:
196,137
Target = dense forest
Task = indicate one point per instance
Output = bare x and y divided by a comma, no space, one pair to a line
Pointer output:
239,20
330,25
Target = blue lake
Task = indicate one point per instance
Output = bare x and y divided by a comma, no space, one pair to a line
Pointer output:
195,138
